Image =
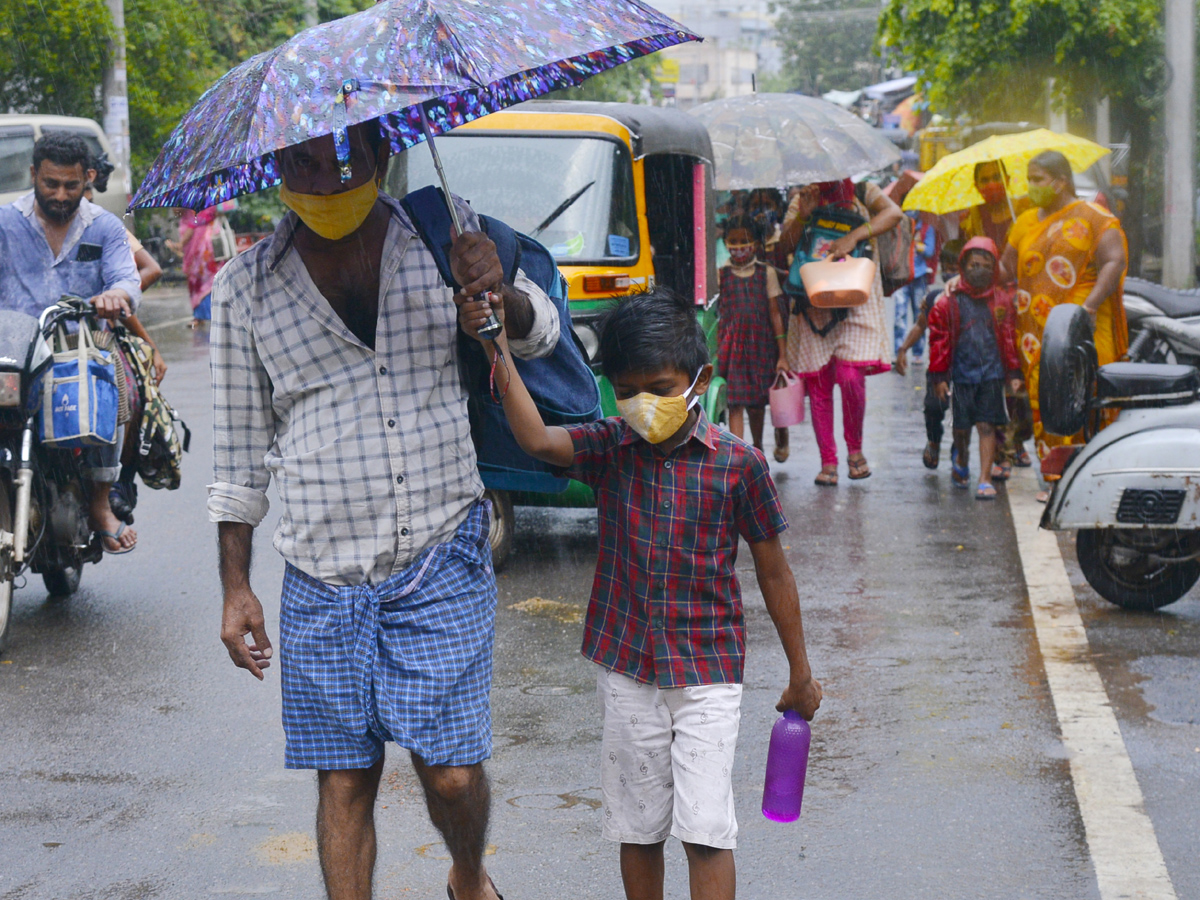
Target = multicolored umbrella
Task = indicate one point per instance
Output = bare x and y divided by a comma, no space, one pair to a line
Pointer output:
950,185
778,140
453,60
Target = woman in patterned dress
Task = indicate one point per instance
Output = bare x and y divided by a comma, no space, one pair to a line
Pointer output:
750,335
856,347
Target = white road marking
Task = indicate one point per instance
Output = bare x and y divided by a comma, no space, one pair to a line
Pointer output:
1120,835
170,323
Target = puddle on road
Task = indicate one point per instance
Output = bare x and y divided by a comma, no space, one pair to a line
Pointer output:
285,849
1168,687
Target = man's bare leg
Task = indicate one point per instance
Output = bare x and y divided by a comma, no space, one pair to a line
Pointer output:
459,800
642,871
346,830
710,872
102,518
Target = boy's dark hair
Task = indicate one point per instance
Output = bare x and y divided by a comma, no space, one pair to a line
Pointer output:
951,251
742,223
63,149
652,331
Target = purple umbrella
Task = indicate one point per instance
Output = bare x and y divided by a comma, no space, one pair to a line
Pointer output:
402,62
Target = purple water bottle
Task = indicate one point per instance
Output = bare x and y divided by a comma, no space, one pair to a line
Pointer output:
787,761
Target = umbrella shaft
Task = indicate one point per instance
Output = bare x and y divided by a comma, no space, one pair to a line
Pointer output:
441,173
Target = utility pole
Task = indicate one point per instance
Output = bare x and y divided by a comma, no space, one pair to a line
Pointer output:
311,16
1179,167
116,101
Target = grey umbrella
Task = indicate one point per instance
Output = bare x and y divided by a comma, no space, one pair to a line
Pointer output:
777,140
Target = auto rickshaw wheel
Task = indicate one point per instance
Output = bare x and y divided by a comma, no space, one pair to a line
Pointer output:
1118,564
502,527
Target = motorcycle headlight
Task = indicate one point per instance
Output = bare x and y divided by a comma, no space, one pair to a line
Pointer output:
590,340
10,389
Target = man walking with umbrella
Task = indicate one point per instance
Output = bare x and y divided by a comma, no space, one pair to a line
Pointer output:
335,373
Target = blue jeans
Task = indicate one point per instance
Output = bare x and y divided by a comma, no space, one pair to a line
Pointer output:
908,305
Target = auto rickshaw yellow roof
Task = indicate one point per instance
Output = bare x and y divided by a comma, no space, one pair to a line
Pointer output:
649,130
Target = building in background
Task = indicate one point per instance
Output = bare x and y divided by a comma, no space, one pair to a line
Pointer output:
738,48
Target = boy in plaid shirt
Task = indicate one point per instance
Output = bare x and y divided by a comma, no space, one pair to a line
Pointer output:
665,622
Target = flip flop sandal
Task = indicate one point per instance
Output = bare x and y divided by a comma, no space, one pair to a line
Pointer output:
1022,459
985,492
826,479
450,891
859,470
960,475
930,456
1001,472
116,536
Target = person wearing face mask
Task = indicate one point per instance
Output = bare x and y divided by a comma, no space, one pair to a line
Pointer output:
993,218
665,625
972,344
1065,250
335,374
751,340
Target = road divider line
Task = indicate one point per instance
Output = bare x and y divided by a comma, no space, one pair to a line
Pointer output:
170,323
1124,849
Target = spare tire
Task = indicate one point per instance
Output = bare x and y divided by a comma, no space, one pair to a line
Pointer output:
1067,370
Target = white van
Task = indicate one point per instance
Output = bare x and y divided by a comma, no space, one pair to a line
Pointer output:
17,134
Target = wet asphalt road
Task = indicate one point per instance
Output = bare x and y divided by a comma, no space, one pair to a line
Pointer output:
136,762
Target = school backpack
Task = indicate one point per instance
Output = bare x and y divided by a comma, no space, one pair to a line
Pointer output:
562,384
160,448
826,225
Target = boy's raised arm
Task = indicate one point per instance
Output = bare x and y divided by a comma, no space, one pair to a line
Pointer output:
551,444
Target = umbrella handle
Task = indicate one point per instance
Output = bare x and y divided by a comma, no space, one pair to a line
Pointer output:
492,327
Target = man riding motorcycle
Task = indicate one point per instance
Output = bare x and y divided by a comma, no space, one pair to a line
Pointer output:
53,242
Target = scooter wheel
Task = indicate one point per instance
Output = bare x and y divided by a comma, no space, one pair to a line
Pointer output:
1126,576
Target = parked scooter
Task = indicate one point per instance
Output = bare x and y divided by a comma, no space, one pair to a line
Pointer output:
1164,324
1132,491
43,496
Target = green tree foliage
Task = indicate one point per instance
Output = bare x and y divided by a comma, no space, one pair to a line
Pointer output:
632,82
828,45
991,59
53,55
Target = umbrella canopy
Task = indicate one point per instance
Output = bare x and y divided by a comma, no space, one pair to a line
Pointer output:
778,140
457,60
950,185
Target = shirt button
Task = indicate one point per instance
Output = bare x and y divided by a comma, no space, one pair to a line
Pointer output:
662,585
383,370
666,504
391,423
657,622
667,464
404,532
399,479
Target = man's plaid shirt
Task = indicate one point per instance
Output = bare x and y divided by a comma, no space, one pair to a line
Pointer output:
666,605
370,450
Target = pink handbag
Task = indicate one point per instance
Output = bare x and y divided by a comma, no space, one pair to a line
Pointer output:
832,284
787,400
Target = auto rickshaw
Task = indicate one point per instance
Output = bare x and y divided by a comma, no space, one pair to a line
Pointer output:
622,197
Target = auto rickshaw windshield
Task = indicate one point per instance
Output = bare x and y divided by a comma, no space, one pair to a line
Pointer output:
574,194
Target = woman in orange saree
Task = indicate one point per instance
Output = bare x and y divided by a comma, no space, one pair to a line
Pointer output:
1064,250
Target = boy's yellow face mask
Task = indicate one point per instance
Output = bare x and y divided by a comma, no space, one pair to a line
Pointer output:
656,418
332,216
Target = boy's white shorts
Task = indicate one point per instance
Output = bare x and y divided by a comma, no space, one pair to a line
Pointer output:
666,761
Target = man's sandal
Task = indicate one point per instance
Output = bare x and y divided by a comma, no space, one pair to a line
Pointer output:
985,492
859,468
450,890
960,475
115,536
1001,472
930,456
1022,459
828,477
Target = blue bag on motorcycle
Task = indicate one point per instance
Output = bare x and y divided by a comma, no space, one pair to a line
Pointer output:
77,395
562,384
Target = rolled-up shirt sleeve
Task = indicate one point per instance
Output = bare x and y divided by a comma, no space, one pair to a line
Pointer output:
543,335
119,270
243,421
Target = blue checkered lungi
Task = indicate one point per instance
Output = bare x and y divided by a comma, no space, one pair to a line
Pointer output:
408,660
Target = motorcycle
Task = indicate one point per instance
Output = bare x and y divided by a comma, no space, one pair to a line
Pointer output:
1164,324
1132,491
43,495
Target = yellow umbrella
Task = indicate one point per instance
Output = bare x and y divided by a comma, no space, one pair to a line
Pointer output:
950,185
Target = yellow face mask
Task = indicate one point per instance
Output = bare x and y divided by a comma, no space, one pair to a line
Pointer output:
657,418
332,216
